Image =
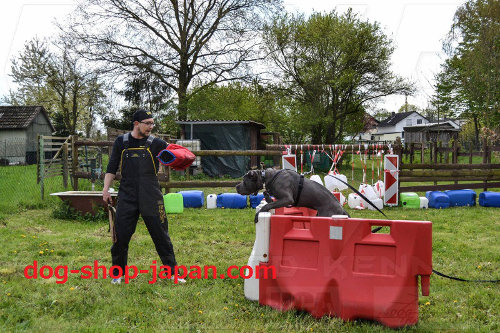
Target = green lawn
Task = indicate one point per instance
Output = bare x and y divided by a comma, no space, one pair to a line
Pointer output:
465,244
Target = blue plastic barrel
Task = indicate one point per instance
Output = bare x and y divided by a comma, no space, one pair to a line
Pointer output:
459,198
231,200
256,199
489,199
192,199
437,199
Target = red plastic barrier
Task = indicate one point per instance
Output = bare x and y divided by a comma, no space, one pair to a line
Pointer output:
300,211
338,267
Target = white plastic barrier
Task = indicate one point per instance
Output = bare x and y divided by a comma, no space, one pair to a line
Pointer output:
260,253
211,201
340,197
353,201
379,188
368,192
317,179
424,202
259,206
379,203
332,184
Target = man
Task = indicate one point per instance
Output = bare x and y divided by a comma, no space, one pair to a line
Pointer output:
134,154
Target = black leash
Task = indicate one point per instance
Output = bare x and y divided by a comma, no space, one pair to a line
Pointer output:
362,196
301,186
378,229
463,280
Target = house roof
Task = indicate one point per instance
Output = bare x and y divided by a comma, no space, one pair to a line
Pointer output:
442,126
20,117
220,122
395,118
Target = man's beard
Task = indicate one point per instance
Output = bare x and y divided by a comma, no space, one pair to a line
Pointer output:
143,134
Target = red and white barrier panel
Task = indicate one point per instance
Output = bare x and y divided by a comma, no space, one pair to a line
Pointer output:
391,180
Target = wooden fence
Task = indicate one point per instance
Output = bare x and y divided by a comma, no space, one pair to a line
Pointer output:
53,159
432,162
421,163
164,172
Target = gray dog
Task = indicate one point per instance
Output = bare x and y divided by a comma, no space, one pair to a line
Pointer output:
290,189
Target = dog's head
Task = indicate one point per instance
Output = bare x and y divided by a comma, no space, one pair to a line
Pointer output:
251,184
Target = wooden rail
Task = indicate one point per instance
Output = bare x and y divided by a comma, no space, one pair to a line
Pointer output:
444,166
164,177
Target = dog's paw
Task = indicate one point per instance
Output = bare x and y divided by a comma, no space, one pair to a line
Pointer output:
256,219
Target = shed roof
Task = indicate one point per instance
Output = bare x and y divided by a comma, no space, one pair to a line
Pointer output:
442,126
220,122
20,117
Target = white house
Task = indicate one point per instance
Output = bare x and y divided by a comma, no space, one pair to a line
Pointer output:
392,127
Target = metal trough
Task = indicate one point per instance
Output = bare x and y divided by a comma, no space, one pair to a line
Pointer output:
85,202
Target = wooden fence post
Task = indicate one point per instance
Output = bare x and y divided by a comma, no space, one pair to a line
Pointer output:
74,161
41,163
455,152
38,159
485,151
447,154
422,151
435,152
430,151
440,152
65,166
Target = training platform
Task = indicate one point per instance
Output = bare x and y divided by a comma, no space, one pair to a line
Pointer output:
338,266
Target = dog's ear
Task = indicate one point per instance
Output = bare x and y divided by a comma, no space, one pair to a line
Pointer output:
260,181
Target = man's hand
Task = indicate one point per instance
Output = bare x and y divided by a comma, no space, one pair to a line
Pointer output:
106,197
108,180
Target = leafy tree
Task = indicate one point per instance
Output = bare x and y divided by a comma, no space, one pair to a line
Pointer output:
146,90
334,66
177,42
469,82
60,82
263,104
123,120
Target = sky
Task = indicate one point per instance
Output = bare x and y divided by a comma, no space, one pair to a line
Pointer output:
417,28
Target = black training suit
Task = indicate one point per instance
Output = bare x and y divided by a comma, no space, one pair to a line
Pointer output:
139,193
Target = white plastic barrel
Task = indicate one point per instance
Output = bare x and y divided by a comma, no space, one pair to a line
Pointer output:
211,201
317,179
424,202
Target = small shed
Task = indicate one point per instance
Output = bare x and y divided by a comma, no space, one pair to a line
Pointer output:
19,130
432,132
224,135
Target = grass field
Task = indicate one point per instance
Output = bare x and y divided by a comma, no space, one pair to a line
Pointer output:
465,244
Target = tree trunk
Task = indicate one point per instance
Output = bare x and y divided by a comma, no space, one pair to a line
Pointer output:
182,107
476,130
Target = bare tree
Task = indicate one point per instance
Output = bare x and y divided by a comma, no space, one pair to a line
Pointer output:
53,76
179,42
